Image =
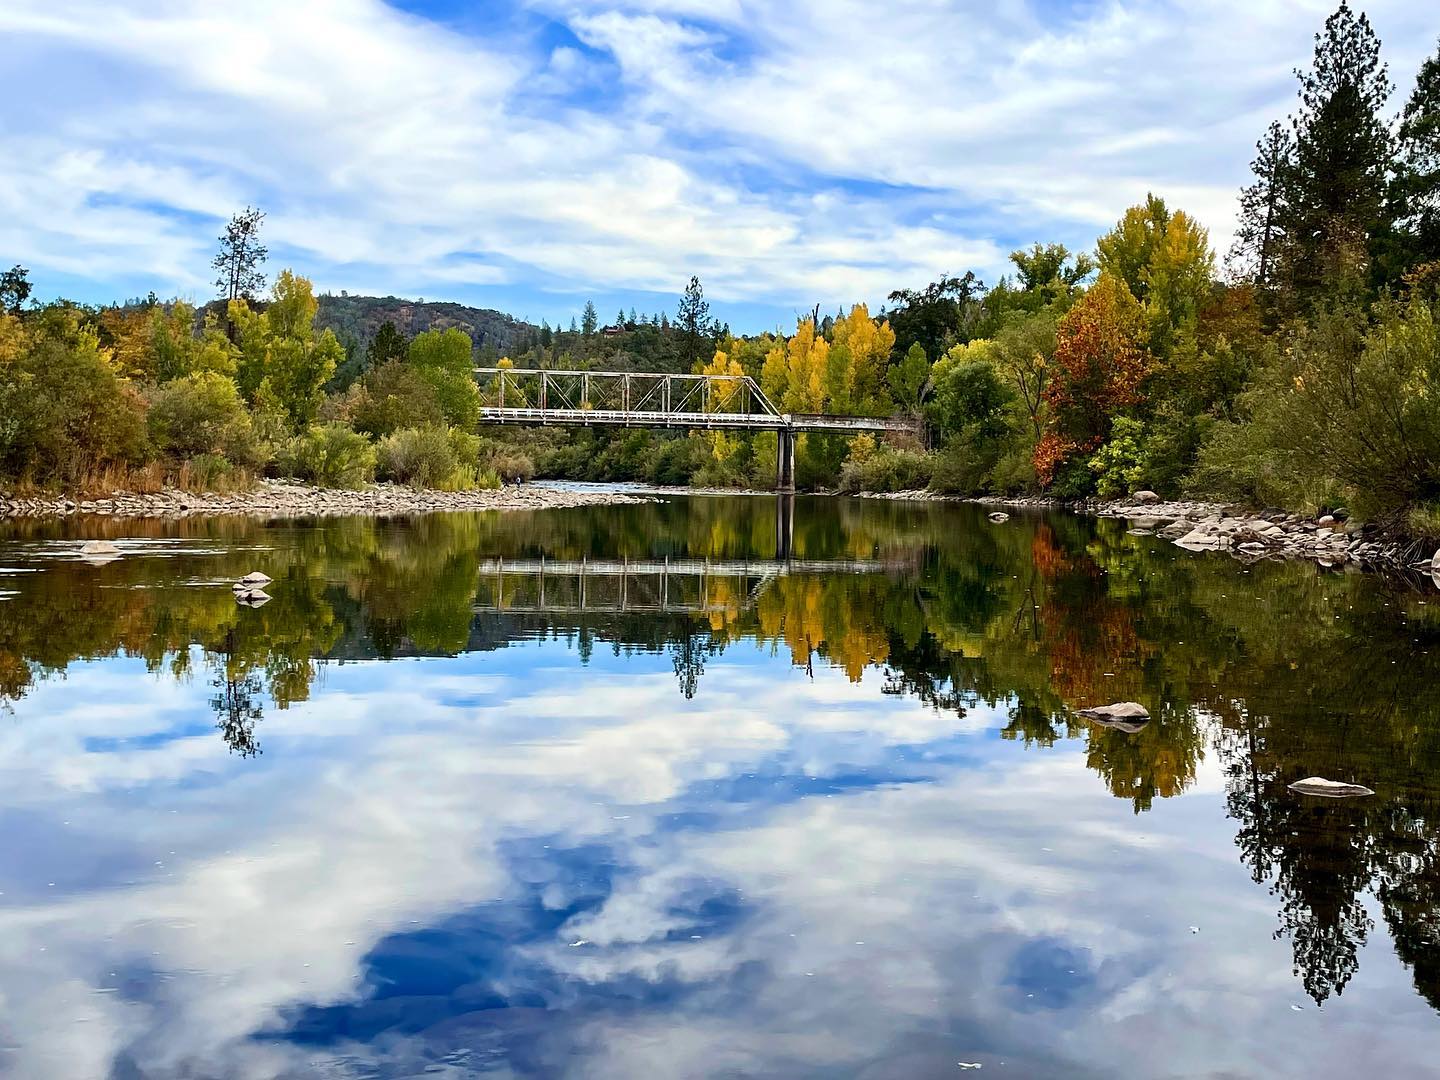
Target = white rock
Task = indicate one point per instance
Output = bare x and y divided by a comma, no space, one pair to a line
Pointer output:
255,578
999,518
1195,540
99,547
1329,789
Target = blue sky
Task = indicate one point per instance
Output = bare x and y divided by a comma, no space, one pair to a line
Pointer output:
530,155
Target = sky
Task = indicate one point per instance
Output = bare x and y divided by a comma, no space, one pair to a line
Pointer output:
532,154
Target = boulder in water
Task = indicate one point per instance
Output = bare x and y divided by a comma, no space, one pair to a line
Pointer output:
252,598
99,547
1126,716
999,517
1329,789
255,579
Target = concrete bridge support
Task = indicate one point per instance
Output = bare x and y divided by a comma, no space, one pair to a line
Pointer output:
785,461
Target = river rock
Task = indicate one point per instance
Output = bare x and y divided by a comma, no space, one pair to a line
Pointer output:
1199,540
1145,498
252,598
99,547
999,517
1126,716
1121,710
1329,789
256,579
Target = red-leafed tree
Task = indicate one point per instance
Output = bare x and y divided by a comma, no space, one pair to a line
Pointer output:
1100,366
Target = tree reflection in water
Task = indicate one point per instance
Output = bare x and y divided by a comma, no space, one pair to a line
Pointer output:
1280,670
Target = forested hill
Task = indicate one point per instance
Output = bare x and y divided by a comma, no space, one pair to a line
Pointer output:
355,319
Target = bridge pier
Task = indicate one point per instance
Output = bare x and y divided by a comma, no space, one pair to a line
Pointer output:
785,461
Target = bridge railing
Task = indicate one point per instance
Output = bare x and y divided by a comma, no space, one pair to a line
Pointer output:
641,394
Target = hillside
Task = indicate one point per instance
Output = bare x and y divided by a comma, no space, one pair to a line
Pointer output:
357,318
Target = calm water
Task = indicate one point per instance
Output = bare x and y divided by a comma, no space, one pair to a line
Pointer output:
698,790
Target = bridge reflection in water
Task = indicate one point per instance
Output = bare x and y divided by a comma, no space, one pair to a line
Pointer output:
558,586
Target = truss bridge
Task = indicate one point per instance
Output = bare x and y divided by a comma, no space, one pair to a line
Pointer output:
644,399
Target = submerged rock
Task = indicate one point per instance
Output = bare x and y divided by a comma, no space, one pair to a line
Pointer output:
1126,716
999,517
99,547
1329,789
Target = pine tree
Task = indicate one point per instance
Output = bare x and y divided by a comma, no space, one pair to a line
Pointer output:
590,319
1417,180
1342,153
693,321
1263,206
241,254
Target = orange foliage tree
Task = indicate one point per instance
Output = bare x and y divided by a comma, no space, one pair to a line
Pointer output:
1100,366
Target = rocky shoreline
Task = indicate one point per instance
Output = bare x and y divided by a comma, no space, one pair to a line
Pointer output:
1249,535
1329,539
279,499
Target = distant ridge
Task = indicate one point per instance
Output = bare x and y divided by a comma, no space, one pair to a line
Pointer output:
357,318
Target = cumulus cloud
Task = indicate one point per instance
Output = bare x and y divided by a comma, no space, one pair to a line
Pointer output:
785,150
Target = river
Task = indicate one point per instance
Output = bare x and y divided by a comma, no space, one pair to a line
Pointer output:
710,787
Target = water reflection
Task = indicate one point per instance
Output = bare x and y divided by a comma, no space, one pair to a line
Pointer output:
700,788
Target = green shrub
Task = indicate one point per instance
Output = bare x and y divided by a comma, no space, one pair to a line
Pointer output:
419,457
210,472
330,455
391,398
887,469
201,414
444,459
65,416
1118,465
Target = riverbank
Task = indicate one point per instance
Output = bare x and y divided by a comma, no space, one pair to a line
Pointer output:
1246,534
278,499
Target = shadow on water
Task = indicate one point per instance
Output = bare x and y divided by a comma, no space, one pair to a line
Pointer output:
1278,671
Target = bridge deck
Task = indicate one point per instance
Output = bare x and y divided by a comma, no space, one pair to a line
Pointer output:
694,421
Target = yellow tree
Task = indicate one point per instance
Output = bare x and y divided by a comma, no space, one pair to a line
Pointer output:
1164,258
723,398
859,354
806,356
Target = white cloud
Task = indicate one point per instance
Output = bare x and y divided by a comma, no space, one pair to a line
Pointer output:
785,151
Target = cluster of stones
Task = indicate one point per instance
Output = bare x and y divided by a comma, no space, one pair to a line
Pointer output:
278,499
1331,539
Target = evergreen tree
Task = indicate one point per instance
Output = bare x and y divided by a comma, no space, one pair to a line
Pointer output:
241,255
1342,154
574,326
1263,206
1417,180
14,288
693,321
590,320
546,337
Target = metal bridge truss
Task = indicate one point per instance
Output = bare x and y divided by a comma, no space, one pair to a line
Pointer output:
644,399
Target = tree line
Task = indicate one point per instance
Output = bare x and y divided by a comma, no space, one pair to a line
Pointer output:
1302,373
